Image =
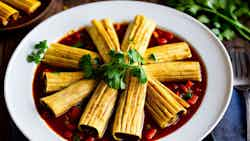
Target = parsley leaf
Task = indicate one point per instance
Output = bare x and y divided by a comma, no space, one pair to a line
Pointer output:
37,54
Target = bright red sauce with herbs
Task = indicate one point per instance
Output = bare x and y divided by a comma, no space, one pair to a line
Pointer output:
66,125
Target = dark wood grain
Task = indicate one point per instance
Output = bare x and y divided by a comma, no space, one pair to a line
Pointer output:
8,43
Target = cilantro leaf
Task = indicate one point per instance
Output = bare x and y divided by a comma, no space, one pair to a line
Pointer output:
76,137
228,34
114,72
203,19
134,57
227,11
216,31
85,64
97,61
153,57
37,54
139,73
78,44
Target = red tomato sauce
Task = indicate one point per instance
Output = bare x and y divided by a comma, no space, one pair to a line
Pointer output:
66,125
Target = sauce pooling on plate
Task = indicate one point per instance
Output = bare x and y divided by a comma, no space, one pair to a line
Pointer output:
66,125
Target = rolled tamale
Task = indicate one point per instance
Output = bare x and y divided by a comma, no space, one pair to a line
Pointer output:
60,102
60,62
100,106
28,6
104,37
64,56
174,71
138,34
129,117
162,104
158,84
64,51
55,81
167,52
7,12
99,109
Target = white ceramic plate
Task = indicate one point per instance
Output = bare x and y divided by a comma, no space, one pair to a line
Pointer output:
19,75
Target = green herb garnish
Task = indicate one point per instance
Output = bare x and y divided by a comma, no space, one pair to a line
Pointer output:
134,57
78,44
153,57
37,54
85,64
97,61
139,73
222,16
188,96
114,72
76,137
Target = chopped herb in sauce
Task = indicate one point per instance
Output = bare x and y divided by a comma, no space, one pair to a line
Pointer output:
78,45
153,57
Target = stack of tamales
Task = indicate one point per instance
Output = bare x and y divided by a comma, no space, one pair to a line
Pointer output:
7,12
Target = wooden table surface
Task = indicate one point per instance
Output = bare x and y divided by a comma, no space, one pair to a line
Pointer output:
8,43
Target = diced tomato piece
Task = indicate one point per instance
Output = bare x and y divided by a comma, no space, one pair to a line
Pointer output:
197,90
105,139
160,33
150,133
155,34
45,114
68,134
71,126
47,70
117,27
162,41
90,139
78,36
184,88
81,135
148,126
175,86
189,84
178,93
75,113
168,35
193,99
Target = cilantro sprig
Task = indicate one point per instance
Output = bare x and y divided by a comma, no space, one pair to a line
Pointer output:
222,16
85,64
114,72
37,54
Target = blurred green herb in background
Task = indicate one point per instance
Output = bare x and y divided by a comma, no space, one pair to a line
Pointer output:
221,16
